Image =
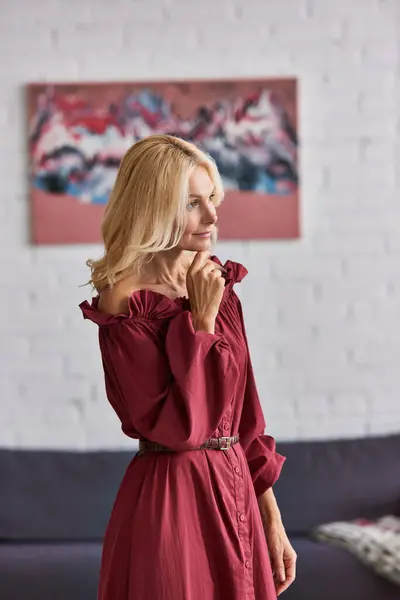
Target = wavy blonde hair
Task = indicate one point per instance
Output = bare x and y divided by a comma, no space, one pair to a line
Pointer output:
146,212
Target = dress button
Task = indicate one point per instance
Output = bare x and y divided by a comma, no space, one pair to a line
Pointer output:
247,564
237,470
226,425
242,518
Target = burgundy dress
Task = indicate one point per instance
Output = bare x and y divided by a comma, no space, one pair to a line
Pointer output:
186,525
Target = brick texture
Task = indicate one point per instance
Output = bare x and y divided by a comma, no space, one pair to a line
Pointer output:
322,312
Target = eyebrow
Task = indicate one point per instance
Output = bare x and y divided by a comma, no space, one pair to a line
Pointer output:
200,196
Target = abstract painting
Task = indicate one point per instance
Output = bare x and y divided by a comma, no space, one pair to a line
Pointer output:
79,132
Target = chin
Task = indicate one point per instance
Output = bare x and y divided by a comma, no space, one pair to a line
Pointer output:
198,244
204,243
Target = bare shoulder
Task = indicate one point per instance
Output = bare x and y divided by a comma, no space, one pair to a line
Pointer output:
114,301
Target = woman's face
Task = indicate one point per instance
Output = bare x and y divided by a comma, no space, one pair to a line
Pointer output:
201,213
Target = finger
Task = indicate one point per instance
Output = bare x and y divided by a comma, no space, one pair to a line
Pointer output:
291,568
281,587
279,569
217,267
212,268
199,260
290,576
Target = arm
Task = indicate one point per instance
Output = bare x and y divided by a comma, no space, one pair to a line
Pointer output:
269,508
175,386
264,462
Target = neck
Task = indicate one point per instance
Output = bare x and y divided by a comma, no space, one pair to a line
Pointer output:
169,268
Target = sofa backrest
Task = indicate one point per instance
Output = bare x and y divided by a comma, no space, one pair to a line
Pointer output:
47,495
323,481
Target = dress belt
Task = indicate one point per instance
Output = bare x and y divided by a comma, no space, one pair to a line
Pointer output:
221,443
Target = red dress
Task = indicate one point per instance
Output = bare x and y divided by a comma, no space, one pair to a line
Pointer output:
186,525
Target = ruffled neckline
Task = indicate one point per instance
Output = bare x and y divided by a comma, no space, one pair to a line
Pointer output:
150,305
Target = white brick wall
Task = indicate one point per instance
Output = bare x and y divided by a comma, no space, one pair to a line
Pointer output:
322,312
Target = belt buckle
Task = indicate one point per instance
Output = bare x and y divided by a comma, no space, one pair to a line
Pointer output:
227,443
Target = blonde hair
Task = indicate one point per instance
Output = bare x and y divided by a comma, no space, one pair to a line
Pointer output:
146,211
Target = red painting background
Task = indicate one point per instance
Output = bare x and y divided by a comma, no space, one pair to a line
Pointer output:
62,219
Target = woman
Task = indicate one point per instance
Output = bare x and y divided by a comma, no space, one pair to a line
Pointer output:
189,518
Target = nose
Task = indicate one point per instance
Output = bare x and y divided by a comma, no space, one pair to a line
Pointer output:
210,216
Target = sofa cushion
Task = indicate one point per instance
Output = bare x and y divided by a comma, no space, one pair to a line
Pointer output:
338,480
59,495
49,571
328,573
375,543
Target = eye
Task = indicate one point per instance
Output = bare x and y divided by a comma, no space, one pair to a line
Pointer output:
192,204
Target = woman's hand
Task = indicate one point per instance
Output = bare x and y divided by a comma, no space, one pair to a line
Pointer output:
282,555
205,288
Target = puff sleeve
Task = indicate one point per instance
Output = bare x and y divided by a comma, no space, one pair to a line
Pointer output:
173,383
264,462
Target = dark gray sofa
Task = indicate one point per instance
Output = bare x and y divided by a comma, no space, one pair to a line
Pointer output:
54,508
324,481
